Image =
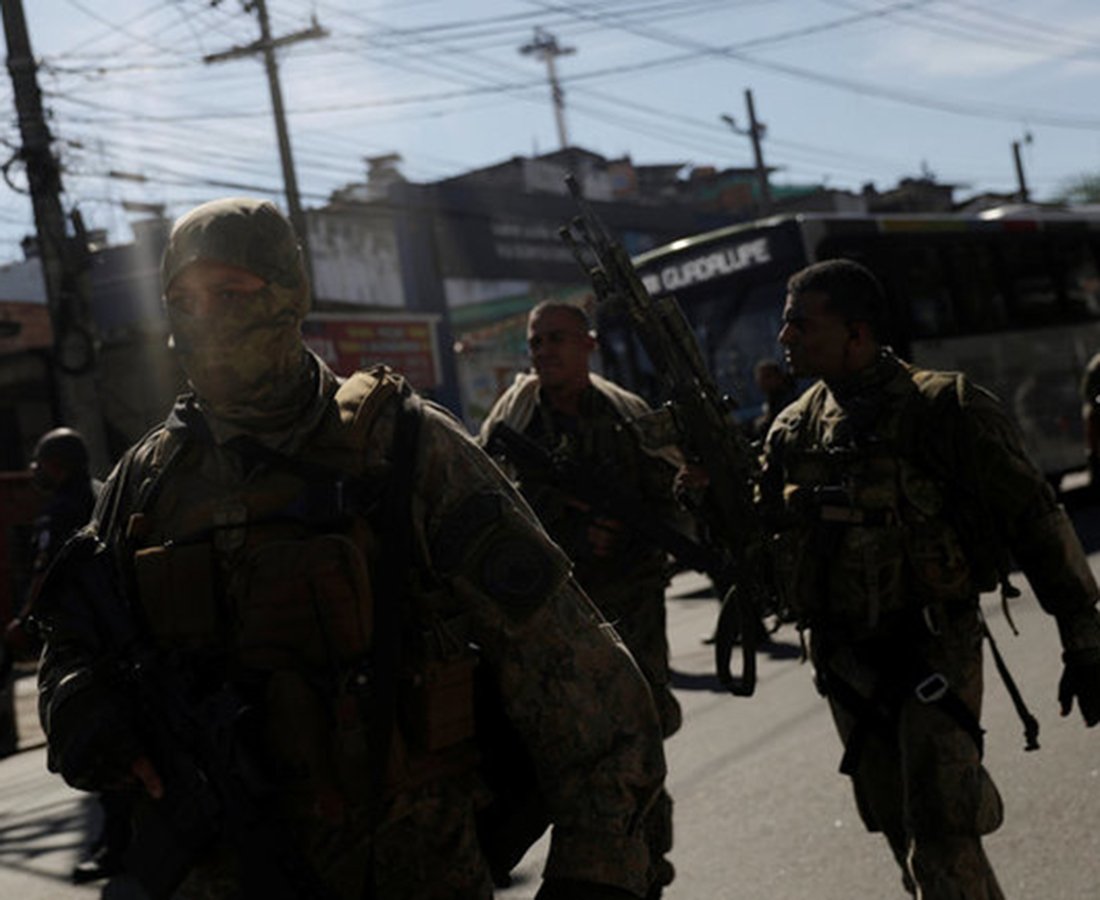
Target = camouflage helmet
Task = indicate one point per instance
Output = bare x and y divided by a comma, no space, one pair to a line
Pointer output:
244,357
238,231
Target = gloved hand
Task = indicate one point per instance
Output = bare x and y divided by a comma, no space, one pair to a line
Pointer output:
567,889
90,733
1081,680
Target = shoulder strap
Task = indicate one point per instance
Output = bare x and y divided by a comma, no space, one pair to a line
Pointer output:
989,537
168,444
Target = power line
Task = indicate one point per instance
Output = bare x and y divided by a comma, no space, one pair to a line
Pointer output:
734,53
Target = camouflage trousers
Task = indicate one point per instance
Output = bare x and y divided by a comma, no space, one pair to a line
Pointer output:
917,772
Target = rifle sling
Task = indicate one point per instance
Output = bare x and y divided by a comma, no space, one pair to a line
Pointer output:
380,703
880,711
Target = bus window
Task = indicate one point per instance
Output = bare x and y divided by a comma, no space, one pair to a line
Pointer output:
747,339
920,283
979,304
1033,291
1076,264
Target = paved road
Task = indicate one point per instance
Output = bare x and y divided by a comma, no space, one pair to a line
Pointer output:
762,814
761,811
43,822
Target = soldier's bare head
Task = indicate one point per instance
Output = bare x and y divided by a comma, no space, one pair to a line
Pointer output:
853,292
833,320
560,341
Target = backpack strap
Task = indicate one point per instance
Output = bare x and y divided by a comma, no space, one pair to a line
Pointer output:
989,536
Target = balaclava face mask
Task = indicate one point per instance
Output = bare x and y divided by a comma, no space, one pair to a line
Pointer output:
246,361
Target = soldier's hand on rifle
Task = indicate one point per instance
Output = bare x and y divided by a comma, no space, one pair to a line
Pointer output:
690,484
603,535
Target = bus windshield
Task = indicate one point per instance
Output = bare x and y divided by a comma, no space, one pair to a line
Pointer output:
1014,303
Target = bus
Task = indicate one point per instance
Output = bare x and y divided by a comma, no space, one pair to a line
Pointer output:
1010,297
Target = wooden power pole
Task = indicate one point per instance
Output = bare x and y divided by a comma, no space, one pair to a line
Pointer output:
63,255
266,46
1022,192
546,48
755,132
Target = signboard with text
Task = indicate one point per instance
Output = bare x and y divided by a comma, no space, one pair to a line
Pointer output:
407,343
24,326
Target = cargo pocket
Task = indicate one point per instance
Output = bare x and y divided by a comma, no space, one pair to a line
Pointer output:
178,593
937,560
302,604
865,578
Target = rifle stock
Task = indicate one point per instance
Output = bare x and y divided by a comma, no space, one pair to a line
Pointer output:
705,430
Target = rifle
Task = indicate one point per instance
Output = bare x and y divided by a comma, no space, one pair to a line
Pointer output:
699,417
214,790
596,487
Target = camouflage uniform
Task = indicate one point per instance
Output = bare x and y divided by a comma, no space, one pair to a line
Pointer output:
895,494
265,552
628,583
1090,415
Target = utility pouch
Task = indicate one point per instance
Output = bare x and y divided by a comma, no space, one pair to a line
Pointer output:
798,570
866,576
937,559
438,705
177,590
302,603
305,751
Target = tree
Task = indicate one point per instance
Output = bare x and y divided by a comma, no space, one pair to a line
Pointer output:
1080,189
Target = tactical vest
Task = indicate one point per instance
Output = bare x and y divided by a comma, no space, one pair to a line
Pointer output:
602,440
874,532
276,586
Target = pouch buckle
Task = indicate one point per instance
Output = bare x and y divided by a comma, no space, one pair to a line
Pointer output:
933,688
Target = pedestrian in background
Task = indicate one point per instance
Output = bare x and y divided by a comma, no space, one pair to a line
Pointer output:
779,390
59,473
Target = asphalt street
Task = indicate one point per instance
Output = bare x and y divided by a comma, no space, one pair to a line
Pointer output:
761,812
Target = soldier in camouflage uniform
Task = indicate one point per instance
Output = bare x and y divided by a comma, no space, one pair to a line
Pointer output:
896,492
577,414
583,418
1090,417
339,559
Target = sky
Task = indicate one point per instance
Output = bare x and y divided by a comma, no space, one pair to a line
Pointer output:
849,91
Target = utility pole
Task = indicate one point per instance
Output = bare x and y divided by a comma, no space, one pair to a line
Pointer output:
266,46
755,132
63,256
1021,182
546,48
